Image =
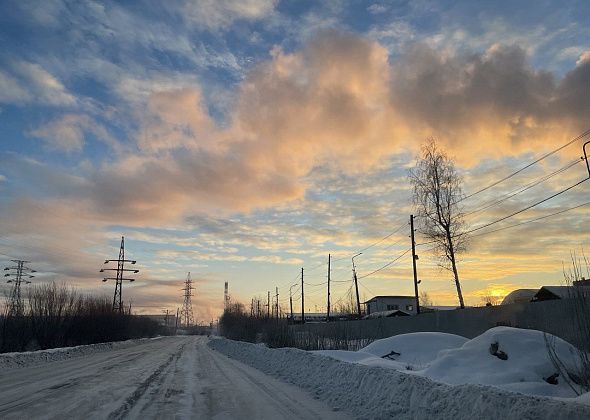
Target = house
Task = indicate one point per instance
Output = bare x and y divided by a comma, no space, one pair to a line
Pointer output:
560,292
391,303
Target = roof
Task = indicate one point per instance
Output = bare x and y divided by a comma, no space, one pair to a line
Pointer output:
560,292
519,295
390,297
386,314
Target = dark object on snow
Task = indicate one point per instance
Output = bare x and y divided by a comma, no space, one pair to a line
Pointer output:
392,355
495,351
552,379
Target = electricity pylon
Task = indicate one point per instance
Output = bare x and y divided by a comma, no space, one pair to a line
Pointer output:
186,313
118,296
17,276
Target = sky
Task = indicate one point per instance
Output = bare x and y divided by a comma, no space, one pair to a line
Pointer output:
242,140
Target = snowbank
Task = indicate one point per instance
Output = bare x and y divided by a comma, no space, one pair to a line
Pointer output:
31,358
455,360
376,393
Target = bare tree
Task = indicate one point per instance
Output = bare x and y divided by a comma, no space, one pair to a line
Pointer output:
436,195
425,299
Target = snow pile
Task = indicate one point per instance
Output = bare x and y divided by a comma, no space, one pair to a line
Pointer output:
376,393
31,358
412,351
520,361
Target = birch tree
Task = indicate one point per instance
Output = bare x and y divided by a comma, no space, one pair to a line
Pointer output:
436,196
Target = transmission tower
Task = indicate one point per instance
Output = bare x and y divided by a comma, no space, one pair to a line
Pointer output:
17,276
186,313
118,296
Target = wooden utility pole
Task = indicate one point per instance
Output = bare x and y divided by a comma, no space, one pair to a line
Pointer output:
268,305
328,310
356,286
302,299
176,321
414,259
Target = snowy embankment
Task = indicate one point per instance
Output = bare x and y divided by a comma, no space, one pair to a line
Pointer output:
379,389
31,358
509,358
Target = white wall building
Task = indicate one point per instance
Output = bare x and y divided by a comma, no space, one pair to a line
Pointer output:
391,303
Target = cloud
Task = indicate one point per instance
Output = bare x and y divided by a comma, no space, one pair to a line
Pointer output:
340,104
67,133
25,83
219,14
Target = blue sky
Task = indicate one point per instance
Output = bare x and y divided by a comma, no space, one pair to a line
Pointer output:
242,140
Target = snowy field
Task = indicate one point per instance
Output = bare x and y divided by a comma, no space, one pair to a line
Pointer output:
428,375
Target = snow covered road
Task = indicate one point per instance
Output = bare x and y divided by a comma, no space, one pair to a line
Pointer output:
172,377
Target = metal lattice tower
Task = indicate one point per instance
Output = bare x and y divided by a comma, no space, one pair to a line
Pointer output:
17,276
186,313
118,296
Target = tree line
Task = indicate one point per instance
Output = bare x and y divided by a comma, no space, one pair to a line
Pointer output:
59,316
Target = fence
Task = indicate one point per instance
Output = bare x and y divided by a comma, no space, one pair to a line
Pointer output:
554,316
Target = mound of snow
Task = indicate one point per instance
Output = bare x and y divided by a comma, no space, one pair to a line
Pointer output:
521,363
411,351
414,348
525,369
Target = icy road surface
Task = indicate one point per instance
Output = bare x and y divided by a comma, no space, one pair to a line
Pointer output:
173,377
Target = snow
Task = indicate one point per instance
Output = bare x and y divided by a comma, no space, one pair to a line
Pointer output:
169,378
455,360
31,358
372,391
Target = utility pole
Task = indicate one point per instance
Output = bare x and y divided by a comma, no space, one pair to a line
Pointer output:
277,302
291,302
166,319
328,310
176,322
302,299
118,296
18,272
414,259
268,304
356,285
186,314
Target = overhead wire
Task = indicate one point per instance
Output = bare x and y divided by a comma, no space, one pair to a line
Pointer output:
535,219
385,266
524,188
528,207
545,156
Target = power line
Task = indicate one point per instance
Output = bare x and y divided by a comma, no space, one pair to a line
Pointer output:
526,208
525,188
535,219
386,265
493,184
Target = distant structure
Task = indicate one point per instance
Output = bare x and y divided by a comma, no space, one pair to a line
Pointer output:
519,296
118,296
405,304
17,276
225,297
186,313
